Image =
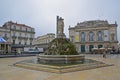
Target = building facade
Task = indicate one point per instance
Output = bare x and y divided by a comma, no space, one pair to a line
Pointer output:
93,34
42,41
20,35
5,44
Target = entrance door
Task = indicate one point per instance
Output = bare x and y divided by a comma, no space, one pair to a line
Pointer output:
100,46
82,48
90,48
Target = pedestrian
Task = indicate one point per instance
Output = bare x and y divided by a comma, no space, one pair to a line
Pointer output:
15,51
104,55
19,52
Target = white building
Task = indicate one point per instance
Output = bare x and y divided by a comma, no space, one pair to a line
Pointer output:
21,35
5,44
5,33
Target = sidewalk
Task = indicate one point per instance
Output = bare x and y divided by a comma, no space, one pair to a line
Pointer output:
17,55
9,72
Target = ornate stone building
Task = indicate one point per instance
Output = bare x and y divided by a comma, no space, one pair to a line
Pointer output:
93,34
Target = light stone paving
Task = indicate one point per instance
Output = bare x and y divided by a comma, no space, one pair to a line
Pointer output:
9,72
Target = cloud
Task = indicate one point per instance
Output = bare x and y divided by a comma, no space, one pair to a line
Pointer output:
41,14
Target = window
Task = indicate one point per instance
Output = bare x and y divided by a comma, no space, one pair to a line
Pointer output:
14,27
20,34
13,41
30,35
25,43
82,36
19,43
91,36
31,30
100,34
26,29
72,38
91,47
8,27
83,48
13,33
5,35
25,34
30,43
20,28
112,37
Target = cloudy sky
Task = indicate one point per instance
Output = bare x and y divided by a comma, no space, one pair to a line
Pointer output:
41,14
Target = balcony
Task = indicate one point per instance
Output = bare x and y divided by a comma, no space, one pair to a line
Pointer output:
31,38
14,37
92,42
23,31
20,37
17,45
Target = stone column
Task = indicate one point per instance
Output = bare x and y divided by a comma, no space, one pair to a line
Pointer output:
60,28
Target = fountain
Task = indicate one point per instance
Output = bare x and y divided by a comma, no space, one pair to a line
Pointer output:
60,50
60,56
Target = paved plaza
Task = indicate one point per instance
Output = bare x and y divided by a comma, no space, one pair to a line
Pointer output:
10,72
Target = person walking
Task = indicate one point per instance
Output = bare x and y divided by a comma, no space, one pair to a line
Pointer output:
15,51
104,54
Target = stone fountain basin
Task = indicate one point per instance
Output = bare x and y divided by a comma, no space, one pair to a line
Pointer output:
60,58
60,68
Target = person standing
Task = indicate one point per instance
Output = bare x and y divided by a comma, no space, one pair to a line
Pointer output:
19,51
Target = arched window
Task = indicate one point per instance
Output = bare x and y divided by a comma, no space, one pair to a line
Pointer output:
82,36
100,34
91,36
112,36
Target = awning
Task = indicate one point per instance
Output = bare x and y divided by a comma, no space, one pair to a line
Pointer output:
109,48
95,48
2,40
102,48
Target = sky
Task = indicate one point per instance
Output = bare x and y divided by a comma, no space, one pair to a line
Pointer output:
41,14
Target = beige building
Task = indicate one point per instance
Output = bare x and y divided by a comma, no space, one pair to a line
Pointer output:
20,35
93,34
42,41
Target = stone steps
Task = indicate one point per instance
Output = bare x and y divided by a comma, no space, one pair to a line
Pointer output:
61,69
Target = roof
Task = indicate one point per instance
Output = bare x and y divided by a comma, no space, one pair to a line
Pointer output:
95,23
15,23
